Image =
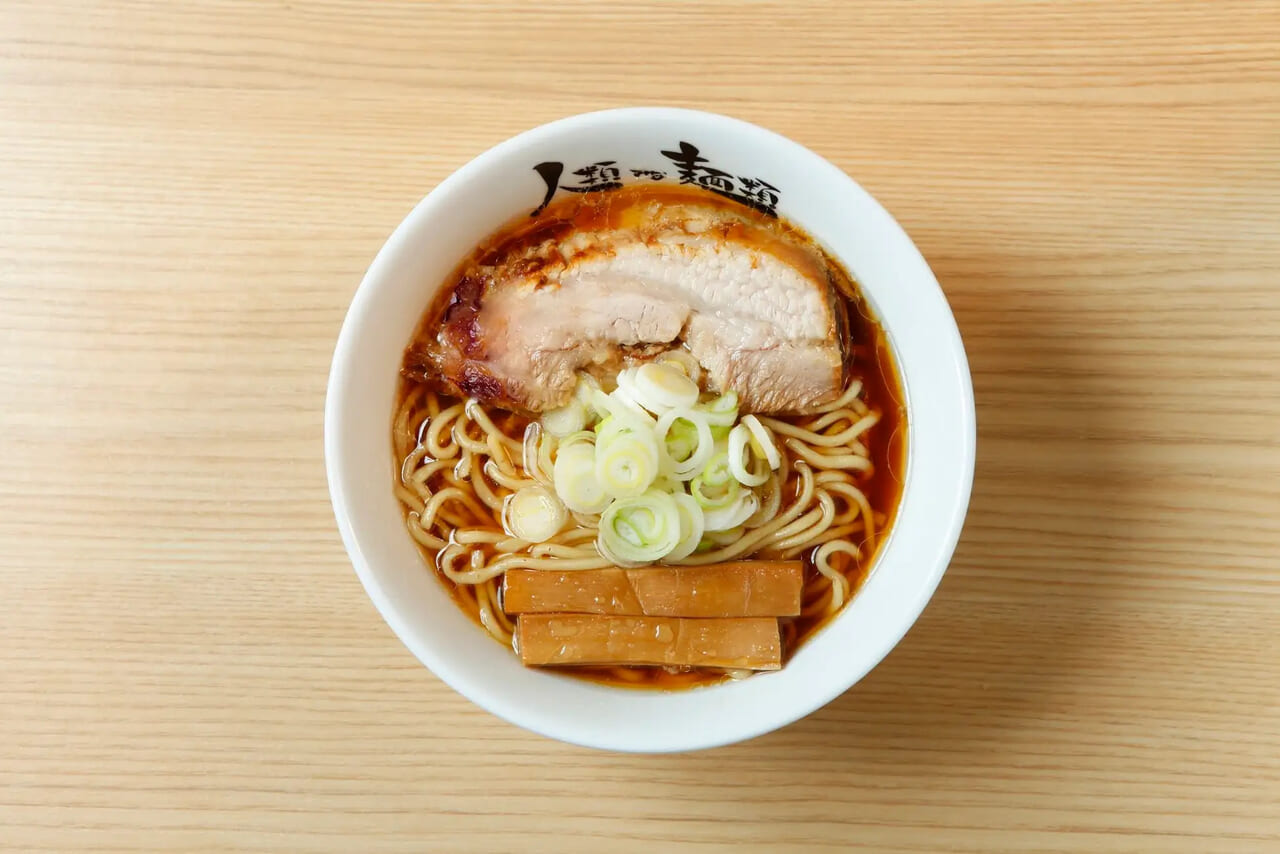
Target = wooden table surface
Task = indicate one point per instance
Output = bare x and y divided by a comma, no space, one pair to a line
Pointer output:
189,198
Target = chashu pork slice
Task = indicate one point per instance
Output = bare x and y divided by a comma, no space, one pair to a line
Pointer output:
759,313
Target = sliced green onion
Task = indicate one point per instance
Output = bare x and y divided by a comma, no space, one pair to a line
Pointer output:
575,478
716,486
533,513
690,527
763,442
684,362
713,497
681,439
625,393
717,472
673,430
574,438
667,483
627,463
733,515
615,405
640,529
567,419
723,410
739,440
623,425
661,387
620,425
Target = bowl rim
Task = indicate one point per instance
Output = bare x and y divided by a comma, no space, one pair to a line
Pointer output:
947,533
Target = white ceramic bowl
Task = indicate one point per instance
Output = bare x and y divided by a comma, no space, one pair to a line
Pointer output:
502,183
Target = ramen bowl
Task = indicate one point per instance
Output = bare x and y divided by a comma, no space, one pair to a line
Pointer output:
598,152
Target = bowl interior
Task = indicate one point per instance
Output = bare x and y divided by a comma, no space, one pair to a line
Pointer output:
585,154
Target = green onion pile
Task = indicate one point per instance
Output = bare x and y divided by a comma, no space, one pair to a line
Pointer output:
667,470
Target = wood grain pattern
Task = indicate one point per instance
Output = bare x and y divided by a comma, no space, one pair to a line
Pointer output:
190,195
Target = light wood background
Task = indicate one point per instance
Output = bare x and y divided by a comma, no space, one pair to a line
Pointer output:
188,197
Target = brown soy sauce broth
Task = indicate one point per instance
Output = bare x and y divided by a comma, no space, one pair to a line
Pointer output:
871,361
